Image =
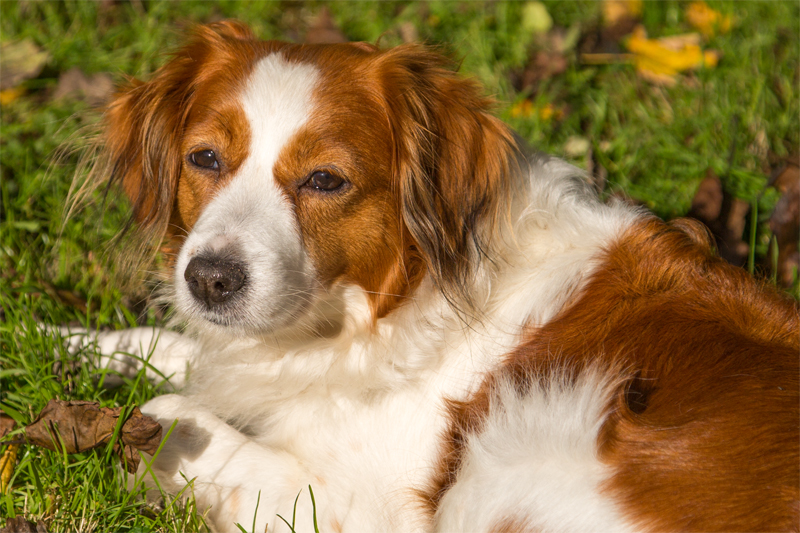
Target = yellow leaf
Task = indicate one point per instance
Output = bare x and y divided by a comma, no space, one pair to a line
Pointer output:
708,21
710,58
546,113
7,463
9,95
660,60
522,109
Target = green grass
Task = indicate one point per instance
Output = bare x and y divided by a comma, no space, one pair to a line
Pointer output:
655,144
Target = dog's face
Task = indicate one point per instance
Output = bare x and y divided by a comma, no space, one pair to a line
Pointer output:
291,169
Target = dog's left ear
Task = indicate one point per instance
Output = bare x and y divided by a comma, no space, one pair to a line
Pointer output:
144,125
454,161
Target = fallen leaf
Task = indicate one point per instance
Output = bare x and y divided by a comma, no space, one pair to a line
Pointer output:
535,18
408,32
20,61
785,223
79,426
7,463
660,60
9,458
20,525
706,20
724,215
324,30
549,59
9,95
544,65
74,83
6,424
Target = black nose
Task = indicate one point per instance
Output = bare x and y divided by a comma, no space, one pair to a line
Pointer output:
214,281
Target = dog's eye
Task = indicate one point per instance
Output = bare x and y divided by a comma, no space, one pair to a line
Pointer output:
324,180
205,159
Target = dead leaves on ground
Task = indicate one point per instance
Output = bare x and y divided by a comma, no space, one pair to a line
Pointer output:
657,60
726,218
20,525
79,426
74,83
24,60
724,215
785,221
19,61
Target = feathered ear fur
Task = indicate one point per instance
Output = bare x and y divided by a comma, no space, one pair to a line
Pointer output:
145,122
453,159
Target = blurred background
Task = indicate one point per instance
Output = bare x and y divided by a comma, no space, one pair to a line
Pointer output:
685,107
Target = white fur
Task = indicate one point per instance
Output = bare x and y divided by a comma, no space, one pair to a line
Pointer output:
357,411
536,462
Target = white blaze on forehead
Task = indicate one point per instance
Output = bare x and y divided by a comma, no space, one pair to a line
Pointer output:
277,102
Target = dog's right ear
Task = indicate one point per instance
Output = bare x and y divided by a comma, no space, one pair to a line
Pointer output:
145,122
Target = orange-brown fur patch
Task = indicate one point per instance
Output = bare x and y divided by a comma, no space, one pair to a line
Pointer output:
704,434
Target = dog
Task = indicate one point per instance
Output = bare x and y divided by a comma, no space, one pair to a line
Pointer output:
398,319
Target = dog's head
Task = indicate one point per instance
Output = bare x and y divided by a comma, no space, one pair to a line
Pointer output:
284,170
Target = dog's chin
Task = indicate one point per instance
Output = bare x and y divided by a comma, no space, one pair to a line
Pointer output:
242,320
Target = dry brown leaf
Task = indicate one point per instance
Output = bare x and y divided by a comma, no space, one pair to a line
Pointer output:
408,32
95,89
6,424
20,525
724,215
545,64
785,223
79,426
324,30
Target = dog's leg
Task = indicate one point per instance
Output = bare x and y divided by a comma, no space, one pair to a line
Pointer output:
163,354
228,472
